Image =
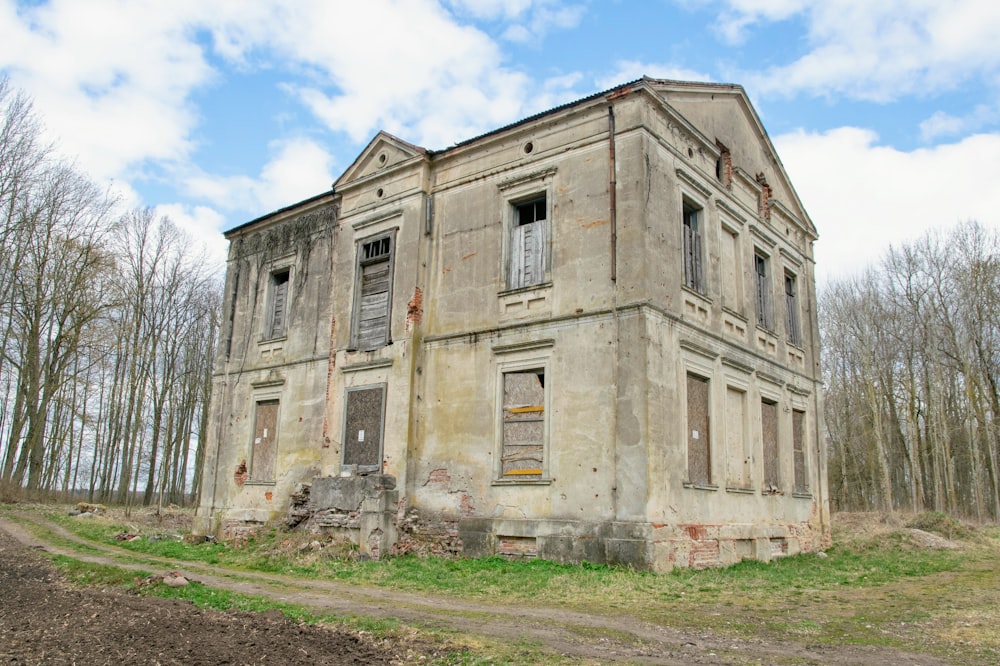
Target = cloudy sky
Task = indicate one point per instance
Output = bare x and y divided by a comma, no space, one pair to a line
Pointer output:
886,113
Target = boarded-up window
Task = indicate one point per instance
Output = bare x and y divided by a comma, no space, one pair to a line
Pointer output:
736,438
529,244
792,310
699,450
264,441
374,293
732,272
764,317
365,407
279,304
523,454
799,450
693,274
769,437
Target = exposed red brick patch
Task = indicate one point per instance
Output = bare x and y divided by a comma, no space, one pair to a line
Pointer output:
704,554
415,309
466,508
439,475
331,367
241,475
696,532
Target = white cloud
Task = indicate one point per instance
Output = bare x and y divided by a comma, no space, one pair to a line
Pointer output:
945,124
740,14
299,168
864,196
878,50
112,78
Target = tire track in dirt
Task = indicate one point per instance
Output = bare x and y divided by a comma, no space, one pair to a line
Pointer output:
572,633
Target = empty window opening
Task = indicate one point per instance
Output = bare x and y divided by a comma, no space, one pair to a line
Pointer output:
264,441
769,439
698,435
693,274
523,454
799,450
792,311
374,289
529,243
279,304
764,318
363,424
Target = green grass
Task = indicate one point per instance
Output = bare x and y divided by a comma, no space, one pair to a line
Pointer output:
873,588
515,581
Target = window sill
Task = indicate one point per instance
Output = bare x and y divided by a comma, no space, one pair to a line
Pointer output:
768,331
733,313
740,491
523,482
268,341
803,495
700,486
696,293
522,290
259,483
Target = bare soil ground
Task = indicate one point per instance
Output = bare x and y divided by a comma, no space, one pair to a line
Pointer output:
45,621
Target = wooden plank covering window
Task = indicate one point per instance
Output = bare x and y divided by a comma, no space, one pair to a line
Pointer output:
769,438
523,424
692,249
699,451
792,311
374,294
363,426
265,436
279,304
763,284
799,450
528,244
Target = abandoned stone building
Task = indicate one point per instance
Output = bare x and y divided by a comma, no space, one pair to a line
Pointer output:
589,335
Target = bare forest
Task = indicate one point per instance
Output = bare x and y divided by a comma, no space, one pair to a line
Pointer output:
911,353
107,325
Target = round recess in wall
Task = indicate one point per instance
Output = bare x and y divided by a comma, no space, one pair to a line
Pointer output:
379,193
690,153
381,159
528,147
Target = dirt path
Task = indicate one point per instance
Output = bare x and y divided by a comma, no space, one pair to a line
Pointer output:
592,638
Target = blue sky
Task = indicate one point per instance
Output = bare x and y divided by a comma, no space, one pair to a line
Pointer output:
886,113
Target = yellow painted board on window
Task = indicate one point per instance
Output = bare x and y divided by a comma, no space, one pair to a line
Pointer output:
526,410
522,472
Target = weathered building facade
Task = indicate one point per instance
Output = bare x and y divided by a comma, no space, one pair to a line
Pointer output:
590,335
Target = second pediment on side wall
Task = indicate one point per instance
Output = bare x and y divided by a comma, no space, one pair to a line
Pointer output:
382,153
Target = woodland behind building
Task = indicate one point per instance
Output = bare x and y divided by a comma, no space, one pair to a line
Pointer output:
107,325
911,354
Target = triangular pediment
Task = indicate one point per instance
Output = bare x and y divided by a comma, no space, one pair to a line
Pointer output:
382,153
723,114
